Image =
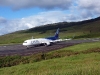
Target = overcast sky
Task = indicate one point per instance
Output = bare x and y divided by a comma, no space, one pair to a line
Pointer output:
23,14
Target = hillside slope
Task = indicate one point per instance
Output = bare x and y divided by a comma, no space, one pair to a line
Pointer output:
82,29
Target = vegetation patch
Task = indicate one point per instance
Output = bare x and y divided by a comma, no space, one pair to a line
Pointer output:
81,64
9,61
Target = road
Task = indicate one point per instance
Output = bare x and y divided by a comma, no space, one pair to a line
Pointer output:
8,50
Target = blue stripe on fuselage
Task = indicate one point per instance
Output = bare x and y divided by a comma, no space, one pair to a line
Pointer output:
52,38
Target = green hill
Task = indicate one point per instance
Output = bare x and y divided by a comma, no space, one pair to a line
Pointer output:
82,29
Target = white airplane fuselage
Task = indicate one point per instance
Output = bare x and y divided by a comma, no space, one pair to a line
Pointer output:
34,42
45,41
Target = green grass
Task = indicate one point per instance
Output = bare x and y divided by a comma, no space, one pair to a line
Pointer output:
68,51
81,59
21,37
83,64
82,47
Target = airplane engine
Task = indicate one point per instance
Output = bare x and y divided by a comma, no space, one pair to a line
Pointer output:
47,44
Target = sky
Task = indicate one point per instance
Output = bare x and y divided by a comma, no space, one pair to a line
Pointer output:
18,15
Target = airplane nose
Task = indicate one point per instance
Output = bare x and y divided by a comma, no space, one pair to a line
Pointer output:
24,44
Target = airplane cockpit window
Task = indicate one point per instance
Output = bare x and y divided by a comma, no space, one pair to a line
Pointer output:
25,42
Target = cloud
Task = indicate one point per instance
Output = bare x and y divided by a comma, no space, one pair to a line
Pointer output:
46,4
74,10
89,4
42,18
89,7
2,20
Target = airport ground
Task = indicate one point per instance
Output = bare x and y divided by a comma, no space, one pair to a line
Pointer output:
7,50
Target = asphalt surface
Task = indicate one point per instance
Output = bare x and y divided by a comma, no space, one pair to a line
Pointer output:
8,50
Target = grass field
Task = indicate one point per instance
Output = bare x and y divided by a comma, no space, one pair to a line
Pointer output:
83,64
84,59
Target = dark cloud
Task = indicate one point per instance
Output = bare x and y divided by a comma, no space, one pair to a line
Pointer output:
89,7
77,10
2,20
46,4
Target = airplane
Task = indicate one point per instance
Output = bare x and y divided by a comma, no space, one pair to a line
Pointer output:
42,41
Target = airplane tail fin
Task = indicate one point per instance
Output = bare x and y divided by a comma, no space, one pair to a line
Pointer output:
57,34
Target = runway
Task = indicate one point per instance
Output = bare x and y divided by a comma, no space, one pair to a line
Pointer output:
8,50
